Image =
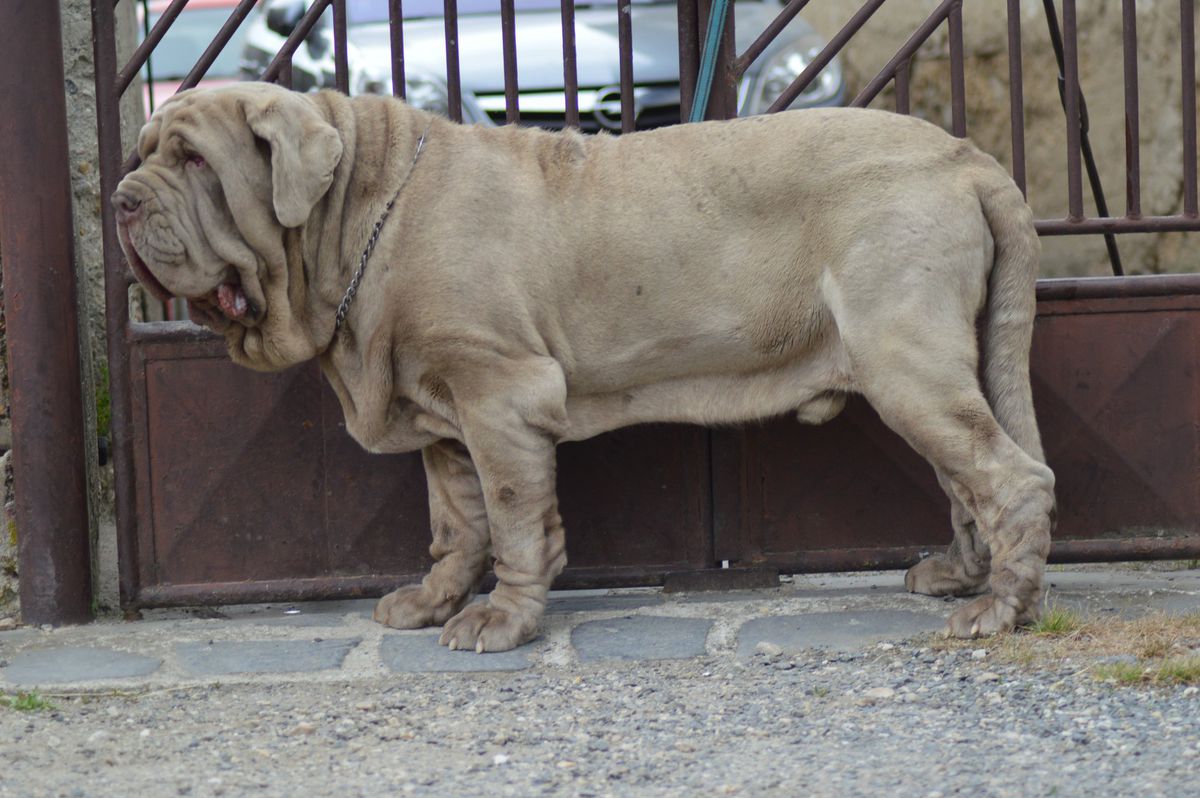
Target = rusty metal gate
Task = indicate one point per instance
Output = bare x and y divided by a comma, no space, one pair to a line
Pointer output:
237,486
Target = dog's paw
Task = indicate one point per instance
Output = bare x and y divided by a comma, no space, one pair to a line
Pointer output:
937,576
986,615
487,628
412,607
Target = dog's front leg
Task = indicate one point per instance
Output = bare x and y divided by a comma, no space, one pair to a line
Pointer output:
460,543
514,455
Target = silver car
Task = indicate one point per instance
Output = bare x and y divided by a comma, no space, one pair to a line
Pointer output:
539,58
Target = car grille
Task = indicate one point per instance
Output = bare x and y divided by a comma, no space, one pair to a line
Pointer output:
657,105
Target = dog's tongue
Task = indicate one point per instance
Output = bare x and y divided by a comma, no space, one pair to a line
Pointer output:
232,300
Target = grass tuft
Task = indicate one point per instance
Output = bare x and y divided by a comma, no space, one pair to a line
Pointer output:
1056,622
26,702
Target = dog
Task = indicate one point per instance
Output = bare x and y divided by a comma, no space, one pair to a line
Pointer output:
481,294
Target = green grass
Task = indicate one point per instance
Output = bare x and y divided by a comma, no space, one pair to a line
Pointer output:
1182,670
1056,622
26,702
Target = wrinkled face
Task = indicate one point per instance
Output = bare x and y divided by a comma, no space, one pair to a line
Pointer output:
225,172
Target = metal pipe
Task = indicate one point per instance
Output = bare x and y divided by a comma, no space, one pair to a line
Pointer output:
453,78
902,99
1117,224
1187,51
303,27
1070,67
570,71
142,53
789,12
117,279
508,33
958,93
341,63
1133,190
923,32
625,57
37,239
213,51
396,34
1078,141
1016,94
689,54
826,55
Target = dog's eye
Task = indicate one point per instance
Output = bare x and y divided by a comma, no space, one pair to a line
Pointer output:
196,160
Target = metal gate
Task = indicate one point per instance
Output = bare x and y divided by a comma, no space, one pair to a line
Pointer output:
235,486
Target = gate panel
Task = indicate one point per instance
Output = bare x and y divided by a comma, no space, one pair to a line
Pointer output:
1116,384
250,488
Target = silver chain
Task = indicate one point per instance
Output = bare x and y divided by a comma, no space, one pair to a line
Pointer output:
352,290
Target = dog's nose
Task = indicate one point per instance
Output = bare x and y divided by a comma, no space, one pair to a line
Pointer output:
126,205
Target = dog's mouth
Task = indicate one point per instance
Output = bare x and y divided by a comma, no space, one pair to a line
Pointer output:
140,270
224,304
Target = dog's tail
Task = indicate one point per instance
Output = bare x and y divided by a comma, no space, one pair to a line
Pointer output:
1011,306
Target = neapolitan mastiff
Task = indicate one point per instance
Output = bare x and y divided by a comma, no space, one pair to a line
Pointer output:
528,288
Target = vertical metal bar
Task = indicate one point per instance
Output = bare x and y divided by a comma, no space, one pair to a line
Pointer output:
689,54
958,94
1016,94
37,237
341,65
625,56
723,100
1187,49
508,32
1133,190
570,71
1071,78
396,31
116,302
453,81
902,99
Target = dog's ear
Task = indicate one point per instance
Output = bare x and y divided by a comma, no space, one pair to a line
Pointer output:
305,149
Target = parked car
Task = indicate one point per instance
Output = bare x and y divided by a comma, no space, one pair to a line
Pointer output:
539,57
184,43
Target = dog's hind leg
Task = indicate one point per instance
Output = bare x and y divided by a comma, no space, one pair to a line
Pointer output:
460,546
919,372
963,569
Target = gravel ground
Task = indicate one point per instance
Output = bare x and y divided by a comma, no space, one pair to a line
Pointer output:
899,720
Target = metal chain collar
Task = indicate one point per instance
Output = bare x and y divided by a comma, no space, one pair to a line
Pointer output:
352,290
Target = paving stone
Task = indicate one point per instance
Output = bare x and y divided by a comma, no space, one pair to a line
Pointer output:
263,656
641,637
842,631
77,664
420,653
567,603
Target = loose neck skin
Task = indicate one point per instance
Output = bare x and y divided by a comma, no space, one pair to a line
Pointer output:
321,257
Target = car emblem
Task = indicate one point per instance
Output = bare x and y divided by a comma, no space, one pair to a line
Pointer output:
607,109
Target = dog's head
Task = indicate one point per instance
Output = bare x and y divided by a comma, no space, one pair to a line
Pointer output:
225,174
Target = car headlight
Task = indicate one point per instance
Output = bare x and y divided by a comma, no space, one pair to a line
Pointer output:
763,85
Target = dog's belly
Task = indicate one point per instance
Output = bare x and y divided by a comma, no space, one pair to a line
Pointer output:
813,386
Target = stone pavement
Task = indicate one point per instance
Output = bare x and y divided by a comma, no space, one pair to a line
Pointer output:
338,641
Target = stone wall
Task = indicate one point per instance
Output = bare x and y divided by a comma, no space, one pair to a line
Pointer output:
1100,63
